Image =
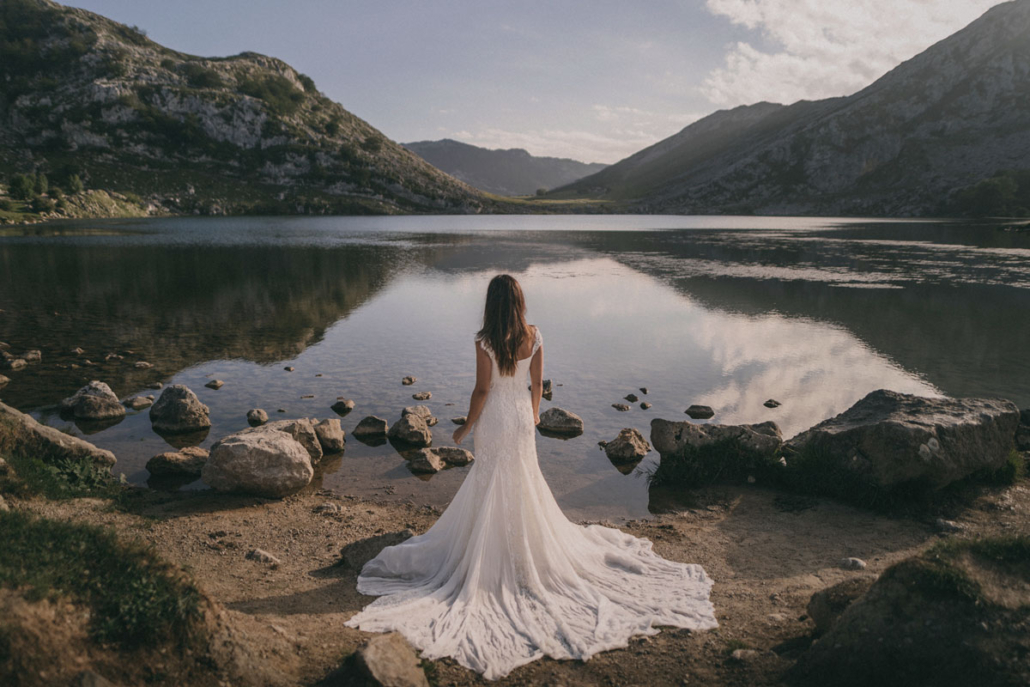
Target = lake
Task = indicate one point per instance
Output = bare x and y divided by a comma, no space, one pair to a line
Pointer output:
721,311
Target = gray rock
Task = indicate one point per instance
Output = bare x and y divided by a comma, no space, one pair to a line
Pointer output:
561,421
302,431
4,508
629,447
371,426
422,396
155,385
453,455
185,462
138,402
943,525
343,405
826,605
411,429
330,435
1022,432
95,401
423,412
268,463
621,407
22,434
772,403
262,556
669,438
32,356
179,411
460,420
142,365
256,417
426,461
4,381
644,405
698,412
408,381
215,384
13,364
289,368
888,439
76,351
632,398
387,660
744,655
852,564
643,390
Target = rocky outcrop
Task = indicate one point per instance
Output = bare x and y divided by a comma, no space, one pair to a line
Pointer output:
187,462
265,463
411,429
387,660
330,435
22,434
888,440
629,447
669,437
95,401
179,411
561,422
302,431
826,605
371,426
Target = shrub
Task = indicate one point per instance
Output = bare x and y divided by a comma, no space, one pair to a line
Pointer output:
42,184
201,77
6,205
332,127
22,186
41,204
307,82
74,184
541,191
372,144
168,63
276,91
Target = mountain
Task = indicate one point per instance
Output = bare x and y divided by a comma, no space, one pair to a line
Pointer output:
83,95
948,119
511,172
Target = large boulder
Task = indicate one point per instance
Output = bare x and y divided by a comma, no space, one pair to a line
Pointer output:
330,435
188,462
371,426
411,429
389,661
302,430
698,455
955,615
826,605
22,434
629,447
269,463
95,401
670,437
889,439
179,411
561,422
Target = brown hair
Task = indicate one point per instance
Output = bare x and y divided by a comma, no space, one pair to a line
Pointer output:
504,322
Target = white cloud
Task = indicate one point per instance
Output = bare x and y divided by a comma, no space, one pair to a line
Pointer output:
824,49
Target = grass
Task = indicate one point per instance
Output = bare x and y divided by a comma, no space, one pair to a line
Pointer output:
62,479
134,598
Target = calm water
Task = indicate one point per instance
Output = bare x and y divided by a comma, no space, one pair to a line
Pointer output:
727,312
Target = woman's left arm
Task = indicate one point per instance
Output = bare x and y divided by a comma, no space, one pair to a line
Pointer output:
536,381
484,370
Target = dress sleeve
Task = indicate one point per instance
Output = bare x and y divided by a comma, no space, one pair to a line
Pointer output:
538,341
482,344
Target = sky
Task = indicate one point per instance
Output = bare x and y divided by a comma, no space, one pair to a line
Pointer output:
594,80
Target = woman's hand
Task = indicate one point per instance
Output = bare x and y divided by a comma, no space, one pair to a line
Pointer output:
460,433
536,419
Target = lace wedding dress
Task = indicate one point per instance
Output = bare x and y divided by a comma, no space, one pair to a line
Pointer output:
503,577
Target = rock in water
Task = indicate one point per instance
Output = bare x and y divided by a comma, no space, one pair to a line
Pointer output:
669,438
772,403
629,447
422,396
264,463
343,406
33,356
330,435
388,660
411,429
423,412
621,407
256,417
644,405
22,434
460,420
14,364
186,462
303,431
697,412
4,381
425,461
95,401
453,455
826,605
179,411
561,421
632,398
888,439
138,402
371,426
215,384
142,365
408,381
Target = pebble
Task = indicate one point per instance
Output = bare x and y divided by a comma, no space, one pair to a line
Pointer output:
632,398
772,403
460,420
408,381
744,655
256,417
77,351
422,396
621,407
155,385
643,389
262,556
289,368
215,384
142,365
645,405
852,564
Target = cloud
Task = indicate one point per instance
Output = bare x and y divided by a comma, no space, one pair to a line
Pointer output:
826,49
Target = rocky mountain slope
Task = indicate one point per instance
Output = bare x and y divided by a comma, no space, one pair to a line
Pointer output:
512,172
948,119
84,95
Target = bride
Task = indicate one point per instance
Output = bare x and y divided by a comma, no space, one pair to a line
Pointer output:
503,577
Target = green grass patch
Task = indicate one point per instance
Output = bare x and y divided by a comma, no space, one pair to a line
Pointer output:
62,479
135,599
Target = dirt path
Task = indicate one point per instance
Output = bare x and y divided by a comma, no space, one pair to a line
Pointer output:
766,552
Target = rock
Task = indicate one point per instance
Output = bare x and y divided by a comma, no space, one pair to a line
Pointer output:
330,435
142,365
302,431
1022,432
33,356
411,429
186,462
179,411
289,368
943,525
744,655
264,463
155,385
852,564
621,407
343,405
371,426
21,434
453,455
388,660
4,381
13,364
548,387
645,405
772,403
643,390
889,439
138,402
262,556
328,508
113,356
560,421
215,384
629,447
425,461
76,351
632,398
697,412
4,508
95,401
826,605
256,417
5,469
422,396
460,420
88,678
408,381
423,412
671,437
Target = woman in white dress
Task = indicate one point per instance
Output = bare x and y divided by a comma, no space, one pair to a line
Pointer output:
503,577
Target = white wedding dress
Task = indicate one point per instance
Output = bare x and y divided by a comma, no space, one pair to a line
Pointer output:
503,577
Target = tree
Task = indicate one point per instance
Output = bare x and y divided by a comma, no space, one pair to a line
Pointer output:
541,191
23,186
42,184
75,184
